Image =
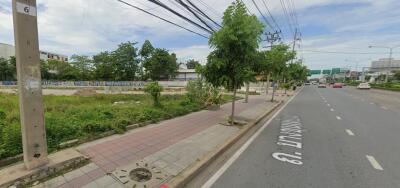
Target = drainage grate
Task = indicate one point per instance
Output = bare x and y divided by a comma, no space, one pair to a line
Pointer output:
140,175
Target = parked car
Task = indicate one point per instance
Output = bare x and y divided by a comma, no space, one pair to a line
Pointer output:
337,85
307,83
364,86
321,85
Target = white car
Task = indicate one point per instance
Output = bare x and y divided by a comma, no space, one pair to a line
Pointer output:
321,85
363,86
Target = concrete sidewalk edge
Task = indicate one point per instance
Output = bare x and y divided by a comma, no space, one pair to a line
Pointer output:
184,177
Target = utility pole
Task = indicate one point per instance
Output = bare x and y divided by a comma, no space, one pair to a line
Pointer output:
271,38
29,83
294,42
390,58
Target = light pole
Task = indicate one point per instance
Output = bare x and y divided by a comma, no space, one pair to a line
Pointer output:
390,57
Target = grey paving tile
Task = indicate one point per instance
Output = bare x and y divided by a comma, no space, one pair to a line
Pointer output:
91,185
89,167
172,169
160,163
55,182
105,181
73,174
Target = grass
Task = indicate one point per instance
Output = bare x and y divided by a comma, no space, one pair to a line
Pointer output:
78,117
387,86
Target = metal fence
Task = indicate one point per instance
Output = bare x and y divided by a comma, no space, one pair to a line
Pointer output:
131,84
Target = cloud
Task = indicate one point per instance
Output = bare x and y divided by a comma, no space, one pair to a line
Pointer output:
90,26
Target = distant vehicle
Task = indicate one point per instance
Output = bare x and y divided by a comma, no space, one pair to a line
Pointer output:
308,83
321,85
364,86
314,82
337,85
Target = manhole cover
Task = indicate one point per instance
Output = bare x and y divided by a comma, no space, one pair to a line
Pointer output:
140,175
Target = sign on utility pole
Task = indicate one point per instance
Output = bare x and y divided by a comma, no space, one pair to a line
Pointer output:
29,83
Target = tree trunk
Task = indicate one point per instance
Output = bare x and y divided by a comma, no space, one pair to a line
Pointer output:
268,77
284,81
246,100
233,105
273,91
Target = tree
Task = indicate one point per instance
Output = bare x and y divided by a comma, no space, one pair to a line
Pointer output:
278,56
192,64
145,52
62,70
103,66
396,75
125,61
83,66
161,65
154,89
234,46
8,70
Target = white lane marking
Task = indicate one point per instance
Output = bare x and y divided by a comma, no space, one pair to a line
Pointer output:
235,156
332,110
328,104
371,103
374,163
338,117
384,107
349,132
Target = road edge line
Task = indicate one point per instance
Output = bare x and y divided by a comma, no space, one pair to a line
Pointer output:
189,173
236,155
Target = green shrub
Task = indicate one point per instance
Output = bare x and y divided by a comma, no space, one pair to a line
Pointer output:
11,141
155,91
75,117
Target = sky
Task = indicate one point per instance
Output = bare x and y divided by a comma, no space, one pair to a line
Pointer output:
87,27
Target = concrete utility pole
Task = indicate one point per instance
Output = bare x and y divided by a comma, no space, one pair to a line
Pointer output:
294,41
271,38
29,83
390,58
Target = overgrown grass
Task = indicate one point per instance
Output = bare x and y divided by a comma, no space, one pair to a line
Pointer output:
71,117
387,86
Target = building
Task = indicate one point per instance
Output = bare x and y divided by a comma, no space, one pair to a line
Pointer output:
7,50
384,65
186,74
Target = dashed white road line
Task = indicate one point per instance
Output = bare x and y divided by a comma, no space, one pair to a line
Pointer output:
332,110
384,107
338,117
236,155
328,104
371,103
374,162
349,132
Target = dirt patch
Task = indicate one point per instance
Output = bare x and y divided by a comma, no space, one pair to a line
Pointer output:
85,92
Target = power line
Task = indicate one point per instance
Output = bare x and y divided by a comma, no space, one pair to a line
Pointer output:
262,15
286,16
147,12
157,2
197,16
216,13
338,52
202,13
272,17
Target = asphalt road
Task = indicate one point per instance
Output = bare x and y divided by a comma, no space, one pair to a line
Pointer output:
323,138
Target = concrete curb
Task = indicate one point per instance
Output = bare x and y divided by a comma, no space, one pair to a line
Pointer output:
184,177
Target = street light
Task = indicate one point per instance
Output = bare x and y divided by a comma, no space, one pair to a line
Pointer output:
390,57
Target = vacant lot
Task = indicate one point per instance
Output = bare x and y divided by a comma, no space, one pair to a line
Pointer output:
70,117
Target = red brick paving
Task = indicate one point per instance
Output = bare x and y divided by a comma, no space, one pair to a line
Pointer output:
136,145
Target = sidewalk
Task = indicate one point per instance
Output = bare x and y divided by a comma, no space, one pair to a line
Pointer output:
166,148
